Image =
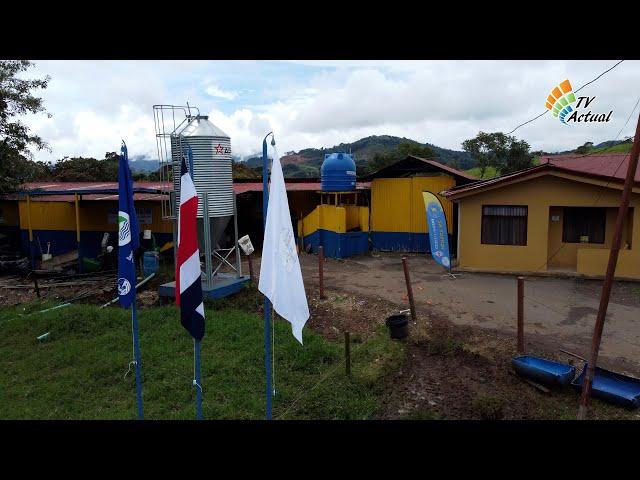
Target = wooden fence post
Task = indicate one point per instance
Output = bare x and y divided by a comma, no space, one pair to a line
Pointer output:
407,279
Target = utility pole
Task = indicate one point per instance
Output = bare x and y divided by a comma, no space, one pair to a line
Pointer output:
611,270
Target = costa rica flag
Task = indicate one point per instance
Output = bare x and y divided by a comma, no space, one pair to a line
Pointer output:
188,281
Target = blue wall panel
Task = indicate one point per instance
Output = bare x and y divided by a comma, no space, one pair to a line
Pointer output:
400,241
338,245
63,241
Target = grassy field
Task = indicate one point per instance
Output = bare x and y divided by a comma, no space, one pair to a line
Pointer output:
620,148
78,372
490,172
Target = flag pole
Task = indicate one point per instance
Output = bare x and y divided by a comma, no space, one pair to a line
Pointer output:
136,353
127,244
267,303
196,379
196,342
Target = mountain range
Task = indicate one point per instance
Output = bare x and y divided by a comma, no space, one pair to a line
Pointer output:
307,162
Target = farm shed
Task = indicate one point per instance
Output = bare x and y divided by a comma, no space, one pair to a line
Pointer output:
398,218
48,211
75,215
558,216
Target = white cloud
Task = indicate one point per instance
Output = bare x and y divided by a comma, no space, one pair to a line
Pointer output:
215,91
315,104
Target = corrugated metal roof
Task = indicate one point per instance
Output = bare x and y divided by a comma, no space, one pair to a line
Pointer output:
149,197
611,167
73,187
149,191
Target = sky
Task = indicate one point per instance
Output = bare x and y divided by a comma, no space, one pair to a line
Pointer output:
96,104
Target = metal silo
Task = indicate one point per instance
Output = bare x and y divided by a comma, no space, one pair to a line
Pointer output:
211,149
211,170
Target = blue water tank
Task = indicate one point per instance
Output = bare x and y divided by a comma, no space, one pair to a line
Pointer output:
338,173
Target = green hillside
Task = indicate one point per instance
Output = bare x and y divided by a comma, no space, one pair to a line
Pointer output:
307,162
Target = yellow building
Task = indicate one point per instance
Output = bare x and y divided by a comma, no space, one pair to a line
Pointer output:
59,217
556,217
398,216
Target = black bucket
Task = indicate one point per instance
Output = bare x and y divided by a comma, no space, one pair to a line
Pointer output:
398,326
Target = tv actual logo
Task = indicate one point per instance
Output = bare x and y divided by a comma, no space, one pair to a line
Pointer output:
562,103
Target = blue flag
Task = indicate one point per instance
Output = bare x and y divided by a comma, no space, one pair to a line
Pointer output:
128,232
438,235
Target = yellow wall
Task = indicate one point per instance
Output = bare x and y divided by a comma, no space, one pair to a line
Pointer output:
540,194
594,262
565,255
93,216
335,219
397,204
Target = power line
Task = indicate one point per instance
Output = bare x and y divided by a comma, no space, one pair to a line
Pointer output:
546,263
528,121
576,91
628,118
606,71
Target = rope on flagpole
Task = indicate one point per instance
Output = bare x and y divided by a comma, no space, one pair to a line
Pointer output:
195,381
133,349
134,363
197,378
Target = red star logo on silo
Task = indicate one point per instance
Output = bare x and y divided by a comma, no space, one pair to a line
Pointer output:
219,149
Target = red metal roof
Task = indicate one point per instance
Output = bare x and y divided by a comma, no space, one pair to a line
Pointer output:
611,167
108,189
73,186
150,197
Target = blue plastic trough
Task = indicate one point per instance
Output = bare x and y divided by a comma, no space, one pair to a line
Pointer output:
544,371
612,387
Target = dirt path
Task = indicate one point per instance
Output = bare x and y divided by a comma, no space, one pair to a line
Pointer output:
559,312
450,371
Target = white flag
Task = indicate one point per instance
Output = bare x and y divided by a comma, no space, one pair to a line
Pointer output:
280,274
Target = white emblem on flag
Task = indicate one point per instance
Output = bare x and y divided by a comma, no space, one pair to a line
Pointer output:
287,249
124,228
124,286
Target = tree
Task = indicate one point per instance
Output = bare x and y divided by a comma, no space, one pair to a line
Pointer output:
86,169
16,100
503,152
584,148
404,149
